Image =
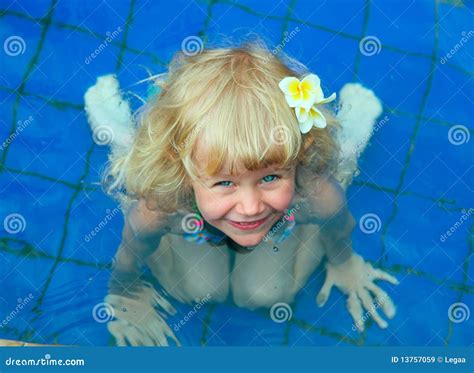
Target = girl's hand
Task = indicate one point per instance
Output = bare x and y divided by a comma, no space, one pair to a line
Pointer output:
136,320
355,278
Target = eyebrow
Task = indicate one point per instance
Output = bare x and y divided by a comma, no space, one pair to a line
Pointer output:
222,176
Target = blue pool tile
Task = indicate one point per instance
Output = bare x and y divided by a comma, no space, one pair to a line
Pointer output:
371,210
29,275
261,8
441,164
76,291
410,21
6,100
33,201
137,67
455,35
95,228
324,57
100,17
255,328
157,27
415,239
24,37
344,16
237,24
299,336
30,8
52,132
399,80
332,317
450,97
67,67
189,322
98,162
462,321
418,299
384,158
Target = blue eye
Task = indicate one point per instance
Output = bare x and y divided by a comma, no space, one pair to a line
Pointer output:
271,176
220,183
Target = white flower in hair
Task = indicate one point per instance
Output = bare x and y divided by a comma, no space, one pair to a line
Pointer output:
304,95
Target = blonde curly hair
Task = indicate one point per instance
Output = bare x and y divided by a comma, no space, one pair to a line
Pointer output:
229,97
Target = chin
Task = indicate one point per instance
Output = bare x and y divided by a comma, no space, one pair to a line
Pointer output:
252,240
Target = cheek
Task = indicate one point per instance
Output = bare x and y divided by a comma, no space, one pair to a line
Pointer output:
211,206
282,199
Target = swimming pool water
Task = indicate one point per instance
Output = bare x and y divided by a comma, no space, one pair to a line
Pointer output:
416,175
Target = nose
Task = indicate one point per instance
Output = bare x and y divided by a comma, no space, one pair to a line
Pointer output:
250,203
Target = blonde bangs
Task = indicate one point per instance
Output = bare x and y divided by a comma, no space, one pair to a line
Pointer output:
245,128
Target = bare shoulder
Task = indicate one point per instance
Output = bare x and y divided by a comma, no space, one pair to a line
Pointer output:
144,220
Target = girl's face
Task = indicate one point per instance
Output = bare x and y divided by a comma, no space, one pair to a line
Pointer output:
246,206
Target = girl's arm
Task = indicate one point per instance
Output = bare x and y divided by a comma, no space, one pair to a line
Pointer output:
133,302
141,236
325,204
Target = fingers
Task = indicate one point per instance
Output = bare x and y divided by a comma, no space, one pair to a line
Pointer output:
381,275
383,300
367,303
325,291
355,309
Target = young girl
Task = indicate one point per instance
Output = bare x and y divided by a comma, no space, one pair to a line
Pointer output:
232,186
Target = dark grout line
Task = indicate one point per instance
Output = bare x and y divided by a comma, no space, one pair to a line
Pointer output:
342,34
29,69
413,137
393,191
203,32
49,178
123,44
61,25
422,117
28,250
365,25
39,302
466,262
60,105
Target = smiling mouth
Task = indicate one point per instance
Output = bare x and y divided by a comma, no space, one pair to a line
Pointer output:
248,225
